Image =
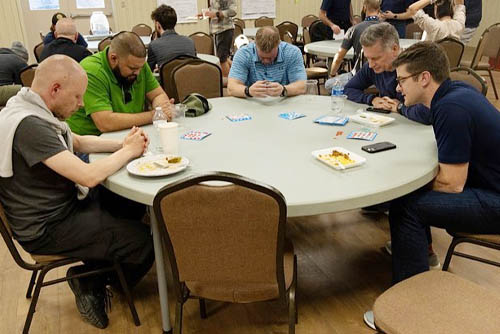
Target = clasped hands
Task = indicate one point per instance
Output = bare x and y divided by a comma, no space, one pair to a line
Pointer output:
386,103
263,88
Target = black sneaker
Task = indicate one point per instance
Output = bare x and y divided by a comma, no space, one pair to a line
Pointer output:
89,300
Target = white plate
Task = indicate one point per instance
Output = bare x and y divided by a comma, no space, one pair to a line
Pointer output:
323,156
145,166
371,119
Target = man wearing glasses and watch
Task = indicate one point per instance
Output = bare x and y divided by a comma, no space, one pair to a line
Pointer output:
120,81
267,67
380,44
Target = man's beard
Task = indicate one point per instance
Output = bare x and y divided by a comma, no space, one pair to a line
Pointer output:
123,81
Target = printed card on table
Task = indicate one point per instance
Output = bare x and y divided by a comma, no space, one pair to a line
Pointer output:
362,135
332,120
291,115
238,117
195,135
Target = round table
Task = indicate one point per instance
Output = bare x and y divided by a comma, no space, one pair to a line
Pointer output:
331,47
210,58
277,151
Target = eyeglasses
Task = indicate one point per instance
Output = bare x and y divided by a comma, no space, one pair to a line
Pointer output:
127,96
401,80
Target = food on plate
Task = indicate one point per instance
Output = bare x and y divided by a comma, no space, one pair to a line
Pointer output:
337,157
147,166
174,160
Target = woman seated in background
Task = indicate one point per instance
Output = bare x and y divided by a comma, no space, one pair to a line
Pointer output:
449,21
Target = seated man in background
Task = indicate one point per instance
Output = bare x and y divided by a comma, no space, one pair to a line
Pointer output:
65,42
44,187
381,47
449,21
351,40
169,44
119,83
267,67
12,61
50,35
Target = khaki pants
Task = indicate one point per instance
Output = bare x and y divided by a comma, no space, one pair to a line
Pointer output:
8,91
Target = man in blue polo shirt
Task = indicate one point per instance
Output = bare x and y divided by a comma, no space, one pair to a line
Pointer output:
381,47
267,67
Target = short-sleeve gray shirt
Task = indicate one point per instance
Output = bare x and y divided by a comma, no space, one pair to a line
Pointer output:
35,195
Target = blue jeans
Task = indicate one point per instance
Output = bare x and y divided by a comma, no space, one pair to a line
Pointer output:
400,27
473,210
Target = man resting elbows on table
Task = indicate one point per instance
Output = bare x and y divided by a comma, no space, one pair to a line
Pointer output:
267,67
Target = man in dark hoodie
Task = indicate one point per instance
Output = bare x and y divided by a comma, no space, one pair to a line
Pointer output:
12,61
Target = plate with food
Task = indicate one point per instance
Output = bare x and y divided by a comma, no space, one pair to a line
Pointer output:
157,165
338,157
371,119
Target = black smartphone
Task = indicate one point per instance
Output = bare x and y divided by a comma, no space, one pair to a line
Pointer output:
383,111
378,147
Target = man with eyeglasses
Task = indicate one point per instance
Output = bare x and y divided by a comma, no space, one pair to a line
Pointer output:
380,44
120,81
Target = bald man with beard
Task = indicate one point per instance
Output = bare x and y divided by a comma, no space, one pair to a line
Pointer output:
44,187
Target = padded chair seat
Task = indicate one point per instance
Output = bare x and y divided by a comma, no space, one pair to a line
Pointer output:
316,72
244,293
494,238
482,66
437,302
44,259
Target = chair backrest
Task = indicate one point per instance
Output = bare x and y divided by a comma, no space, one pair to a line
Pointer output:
290,27
166,73
105,42
287,37
306,36
488,45
317,31
264,21
27,75
308,19
411,28
238,31
239,22
469,76
203,43
6,233
230,233
42,37
37,51
197,76
142,29
454,49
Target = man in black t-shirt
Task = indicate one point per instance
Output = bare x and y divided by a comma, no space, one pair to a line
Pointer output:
44,187
65,42
335,15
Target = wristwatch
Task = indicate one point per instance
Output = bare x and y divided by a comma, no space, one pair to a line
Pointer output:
284,92
399,108
247,91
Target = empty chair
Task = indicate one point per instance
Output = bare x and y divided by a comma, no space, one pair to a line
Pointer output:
454,49
264,21
287,37
37,51
411,29
27,75
105,42
485,240
142,29
488,46
290,27
308,19
45,263
166,72
239,22
469,76
196,76
227,242
313,72
436,302
203,43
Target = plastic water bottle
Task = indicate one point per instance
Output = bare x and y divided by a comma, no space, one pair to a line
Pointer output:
159,117
338,98
99,24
